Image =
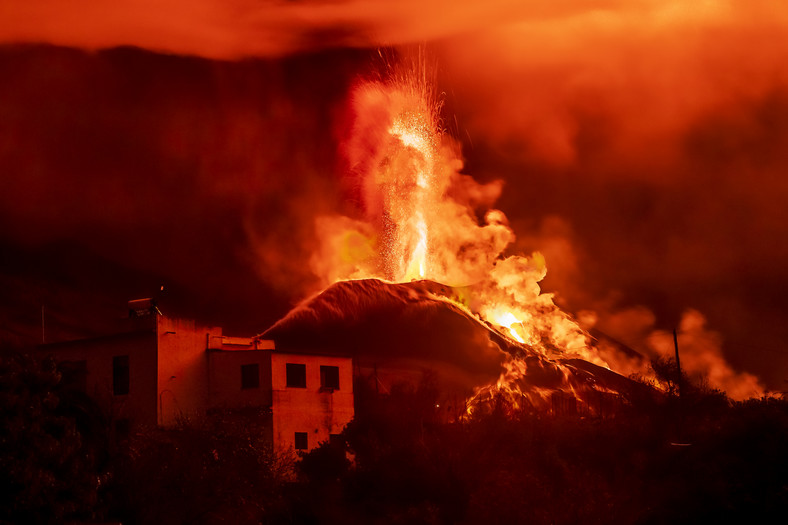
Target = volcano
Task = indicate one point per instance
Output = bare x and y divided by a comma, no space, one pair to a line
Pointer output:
489,331
421,325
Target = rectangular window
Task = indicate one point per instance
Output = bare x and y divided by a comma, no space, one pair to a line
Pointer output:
250,376
329,377
301,441
122,428
296,375
120,375
75,375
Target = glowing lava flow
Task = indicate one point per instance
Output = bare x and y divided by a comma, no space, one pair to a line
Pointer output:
508,320
417,139
409,187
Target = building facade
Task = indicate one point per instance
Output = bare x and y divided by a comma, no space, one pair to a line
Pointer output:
158,370
312,396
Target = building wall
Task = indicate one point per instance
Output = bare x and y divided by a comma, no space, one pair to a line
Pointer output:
315,411
178,369
182,378
225,379
139,405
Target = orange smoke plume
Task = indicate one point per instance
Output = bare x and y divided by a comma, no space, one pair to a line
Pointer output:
701,356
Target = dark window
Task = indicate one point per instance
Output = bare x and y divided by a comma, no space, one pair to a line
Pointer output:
250,376
296,375
120,375
329,377
301,441
75,375
122,428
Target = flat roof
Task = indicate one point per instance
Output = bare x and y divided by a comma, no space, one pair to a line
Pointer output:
97,339
225,343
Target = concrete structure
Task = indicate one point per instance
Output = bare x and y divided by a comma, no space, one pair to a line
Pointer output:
312,398
157,370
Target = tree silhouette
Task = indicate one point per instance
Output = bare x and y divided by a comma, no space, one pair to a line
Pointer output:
47,469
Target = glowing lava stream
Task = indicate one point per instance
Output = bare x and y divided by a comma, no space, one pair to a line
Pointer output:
419,259
417,137
508,320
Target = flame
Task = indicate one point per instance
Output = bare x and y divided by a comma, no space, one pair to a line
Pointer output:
508,320
424,212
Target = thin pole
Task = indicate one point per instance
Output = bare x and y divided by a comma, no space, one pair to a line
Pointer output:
678,362
680,430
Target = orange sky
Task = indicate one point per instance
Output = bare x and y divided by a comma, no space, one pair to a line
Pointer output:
237,28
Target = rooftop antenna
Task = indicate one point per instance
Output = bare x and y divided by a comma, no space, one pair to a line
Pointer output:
156,300
143,307
146,306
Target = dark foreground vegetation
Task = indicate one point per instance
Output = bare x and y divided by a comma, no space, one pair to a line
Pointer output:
657,461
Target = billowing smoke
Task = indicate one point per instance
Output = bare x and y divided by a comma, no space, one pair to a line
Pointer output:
700,349
418,209
701,357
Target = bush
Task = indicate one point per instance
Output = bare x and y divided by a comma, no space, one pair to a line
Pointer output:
542,469
48,470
